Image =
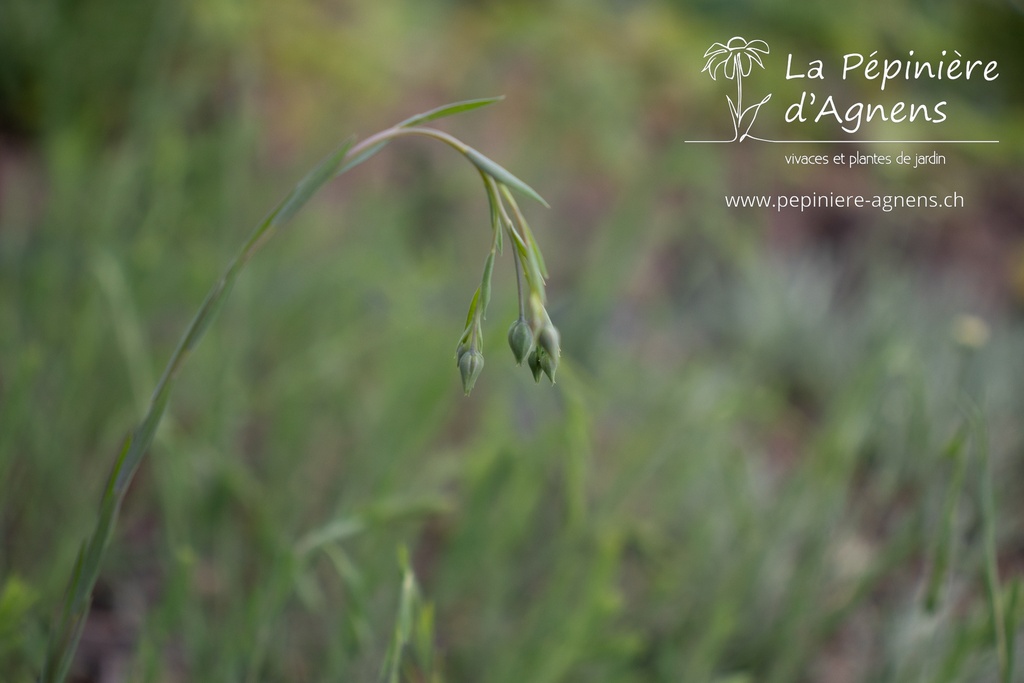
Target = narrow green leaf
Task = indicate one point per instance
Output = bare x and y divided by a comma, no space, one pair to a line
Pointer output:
954,447
534,277
499,173
485,284
208,311
535,248
448,110
331,532
141,440
472,308
499,243
527,232
943,549
64,639
361,157
433,114
297,198
285,210
991,563
76,577
517,240
494,202
407,603
118,464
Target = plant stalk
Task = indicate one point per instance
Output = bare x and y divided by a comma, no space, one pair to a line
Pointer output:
67,630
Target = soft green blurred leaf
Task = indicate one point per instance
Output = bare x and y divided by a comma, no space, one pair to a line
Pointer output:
448,110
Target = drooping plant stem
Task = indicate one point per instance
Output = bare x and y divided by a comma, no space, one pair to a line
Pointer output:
67,629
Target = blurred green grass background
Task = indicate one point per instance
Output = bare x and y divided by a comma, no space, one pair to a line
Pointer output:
743,474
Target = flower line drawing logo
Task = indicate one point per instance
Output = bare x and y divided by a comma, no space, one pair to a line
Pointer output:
736,60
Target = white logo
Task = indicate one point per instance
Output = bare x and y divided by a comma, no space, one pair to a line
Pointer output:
736,59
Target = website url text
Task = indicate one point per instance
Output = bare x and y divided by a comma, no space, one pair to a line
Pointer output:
844,201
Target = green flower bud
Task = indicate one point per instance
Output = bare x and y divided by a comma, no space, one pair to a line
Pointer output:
520,338
460,352
471,362
534,362
549,340
548,364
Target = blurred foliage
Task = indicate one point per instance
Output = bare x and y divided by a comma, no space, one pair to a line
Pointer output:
740,474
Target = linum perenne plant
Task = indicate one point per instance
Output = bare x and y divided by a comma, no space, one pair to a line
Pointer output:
532,337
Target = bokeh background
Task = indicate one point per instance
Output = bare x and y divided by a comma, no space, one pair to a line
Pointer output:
769,429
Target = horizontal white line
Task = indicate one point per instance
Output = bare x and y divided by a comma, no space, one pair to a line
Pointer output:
852,142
